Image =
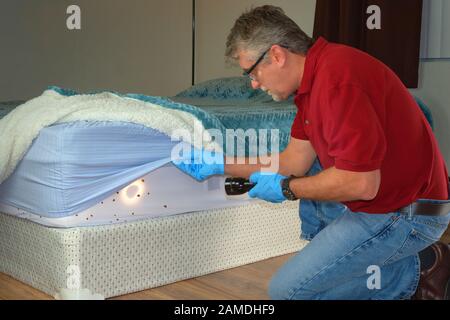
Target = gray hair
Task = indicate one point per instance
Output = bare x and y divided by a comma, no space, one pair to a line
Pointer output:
259,28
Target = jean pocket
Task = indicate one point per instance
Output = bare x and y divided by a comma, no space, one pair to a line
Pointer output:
414,242
434,223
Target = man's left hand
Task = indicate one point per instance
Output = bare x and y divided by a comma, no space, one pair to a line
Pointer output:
268,187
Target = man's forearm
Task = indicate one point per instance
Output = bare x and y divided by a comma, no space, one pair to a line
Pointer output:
283,163
244,167
335,185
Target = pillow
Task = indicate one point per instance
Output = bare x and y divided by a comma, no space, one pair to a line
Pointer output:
236,88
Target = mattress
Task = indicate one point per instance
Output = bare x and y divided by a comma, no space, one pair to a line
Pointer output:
76,173
72,166
163,192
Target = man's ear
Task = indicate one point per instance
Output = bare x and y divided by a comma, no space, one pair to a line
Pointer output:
278,55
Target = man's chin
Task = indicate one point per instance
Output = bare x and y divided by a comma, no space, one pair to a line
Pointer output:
277,98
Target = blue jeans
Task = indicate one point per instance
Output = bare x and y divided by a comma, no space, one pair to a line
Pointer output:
355,255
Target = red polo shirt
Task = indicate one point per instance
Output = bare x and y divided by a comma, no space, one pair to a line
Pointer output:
359,116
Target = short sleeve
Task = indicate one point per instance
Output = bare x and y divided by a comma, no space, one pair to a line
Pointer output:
353,130
297,129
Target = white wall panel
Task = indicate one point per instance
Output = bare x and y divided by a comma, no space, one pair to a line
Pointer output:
435,38
139,46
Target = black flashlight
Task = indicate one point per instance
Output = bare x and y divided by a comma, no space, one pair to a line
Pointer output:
237,186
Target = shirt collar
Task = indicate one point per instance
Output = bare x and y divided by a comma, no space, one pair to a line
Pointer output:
310,65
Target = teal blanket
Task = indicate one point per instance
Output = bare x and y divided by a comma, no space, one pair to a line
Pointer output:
7,106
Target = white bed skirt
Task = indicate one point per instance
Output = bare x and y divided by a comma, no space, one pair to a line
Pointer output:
117,259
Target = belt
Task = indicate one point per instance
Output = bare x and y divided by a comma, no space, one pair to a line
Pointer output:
426,209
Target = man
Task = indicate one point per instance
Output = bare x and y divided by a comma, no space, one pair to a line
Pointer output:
380,161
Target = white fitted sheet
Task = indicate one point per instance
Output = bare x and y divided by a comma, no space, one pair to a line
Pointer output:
163,192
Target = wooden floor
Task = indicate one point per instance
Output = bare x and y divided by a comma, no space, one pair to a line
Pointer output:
247,282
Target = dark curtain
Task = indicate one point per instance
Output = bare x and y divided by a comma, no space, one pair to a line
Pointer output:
397,43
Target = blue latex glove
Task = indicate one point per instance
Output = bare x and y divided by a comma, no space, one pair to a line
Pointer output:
268,187
200,164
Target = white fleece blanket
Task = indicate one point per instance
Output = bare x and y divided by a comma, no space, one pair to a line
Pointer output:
22,125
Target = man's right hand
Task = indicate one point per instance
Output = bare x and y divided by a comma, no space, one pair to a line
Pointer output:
201,164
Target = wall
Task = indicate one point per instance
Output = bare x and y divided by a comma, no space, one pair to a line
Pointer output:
141,46
435,37
434,90
434,75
